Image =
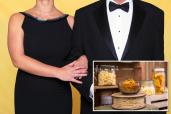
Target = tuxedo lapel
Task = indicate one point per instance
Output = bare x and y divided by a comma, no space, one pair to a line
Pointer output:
101,19
137,22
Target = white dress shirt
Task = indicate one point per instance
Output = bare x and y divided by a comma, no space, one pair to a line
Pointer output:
91,91
119,24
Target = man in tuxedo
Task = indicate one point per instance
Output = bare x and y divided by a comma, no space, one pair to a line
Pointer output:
116,30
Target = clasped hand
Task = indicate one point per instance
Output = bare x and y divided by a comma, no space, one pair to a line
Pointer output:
74,71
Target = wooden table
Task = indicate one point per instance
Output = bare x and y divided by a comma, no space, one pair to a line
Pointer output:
109,108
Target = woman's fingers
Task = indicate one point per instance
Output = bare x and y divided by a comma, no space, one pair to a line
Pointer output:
81,71
77,68
82,66
80,75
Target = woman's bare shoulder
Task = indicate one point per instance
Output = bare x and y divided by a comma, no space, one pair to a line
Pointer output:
16,18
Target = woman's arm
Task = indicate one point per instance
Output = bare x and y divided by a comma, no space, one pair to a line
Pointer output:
30,65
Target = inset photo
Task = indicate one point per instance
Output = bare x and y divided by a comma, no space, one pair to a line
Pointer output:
130,86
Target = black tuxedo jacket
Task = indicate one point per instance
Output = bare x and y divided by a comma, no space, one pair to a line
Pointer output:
92,37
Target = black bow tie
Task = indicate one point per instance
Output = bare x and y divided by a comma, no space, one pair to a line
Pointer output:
113,6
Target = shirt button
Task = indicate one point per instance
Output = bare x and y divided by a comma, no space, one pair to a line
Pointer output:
119,16
119,31
118,48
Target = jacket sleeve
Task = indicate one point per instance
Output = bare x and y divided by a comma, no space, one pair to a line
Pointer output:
77,50
159,40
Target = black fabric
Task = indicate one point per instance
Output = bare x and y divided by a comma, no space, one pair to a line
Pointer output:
92,37
49,42
113,6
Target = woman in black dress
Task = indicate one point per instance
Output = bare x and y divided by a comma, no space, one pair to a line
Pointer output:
39,44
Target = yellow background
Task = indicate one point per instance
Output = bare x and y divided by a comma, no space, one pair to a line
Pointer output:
8,72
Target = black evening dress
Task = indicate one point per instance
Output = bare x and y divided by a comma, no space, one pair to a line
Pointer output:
47,41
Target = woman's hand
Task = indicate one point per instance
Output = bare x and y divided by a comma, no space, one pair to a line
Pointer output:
71,72
82,62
